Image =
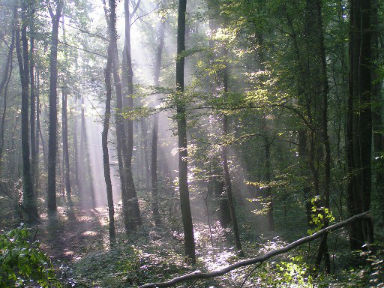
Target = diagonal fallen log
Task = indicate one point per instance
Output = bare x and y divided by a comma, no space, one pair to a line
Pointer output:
259,259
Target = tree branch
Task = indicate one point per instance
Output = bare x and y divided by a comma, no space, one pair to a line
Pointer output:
135,8
200,275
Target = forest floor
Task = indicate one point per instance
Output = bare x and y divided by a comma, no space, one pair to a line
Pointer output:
77,242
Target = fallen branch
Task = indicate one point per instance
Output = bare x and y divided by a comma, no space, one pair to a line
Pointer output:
200,275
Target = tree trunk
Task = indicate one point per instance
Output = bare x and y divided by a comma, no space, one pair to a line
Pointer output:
64,128
37,138
189,242
76,149
86,158
64,124
155,131
52,143
4,88
317,91
359,122
29,199
133,204
377,118
268,176
33,99
120,130
227,176
107,170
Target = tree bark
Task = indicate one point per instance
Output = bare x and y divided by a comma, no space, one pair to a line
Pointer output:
37,138
377,117
155,131
29,199
64,128
317,91
359,121
33,98
121,139
52,143
189,242
133,204
86,157
107,170
227,176
4,87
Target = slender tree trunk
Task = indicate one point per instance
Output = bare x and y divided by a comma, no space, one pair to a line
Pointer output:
66,166
86,157
155,131
37,138
268,176
76,149
145,150
33,100
64,124
29,199
227,176
4,89
52,143
189,242
133,204
107,170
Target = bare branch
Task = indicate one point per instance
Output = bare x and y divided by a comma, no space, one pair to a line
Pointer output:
135,8
83,49
145,14
260,259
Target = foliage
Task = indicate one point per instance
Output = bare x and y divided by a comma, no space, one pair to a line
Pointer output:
293,272
127,266
22,263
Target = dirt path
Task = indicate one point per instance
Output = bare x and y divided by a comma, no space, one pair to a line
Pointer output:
71,234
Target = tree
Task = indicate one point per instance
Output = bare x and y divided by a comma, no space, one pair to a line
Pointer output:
5,83
52,145
189,241
359,121
29,199
107,170
64,124
227,176
133,204
155,131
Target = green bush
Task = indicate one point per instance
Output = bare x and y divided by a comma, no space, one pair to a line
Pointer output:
22,263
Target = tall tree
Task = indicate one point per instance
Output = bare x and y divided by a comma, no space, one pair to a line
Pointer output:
34,152
5,83
107,170
87,191
64,126
377,115
227,176
189,241
359,121
29,199
133,204
52,143
121,140
317,93
155,130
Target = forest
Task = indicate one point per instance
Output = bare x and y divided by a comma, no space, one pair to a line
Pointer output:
192,143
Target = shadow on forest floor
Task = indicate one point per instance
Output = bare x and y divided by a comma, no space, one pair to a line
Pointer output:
71,233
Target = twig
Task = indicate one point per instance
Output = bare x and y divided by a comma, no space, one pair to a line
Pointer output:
259,259
249,274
